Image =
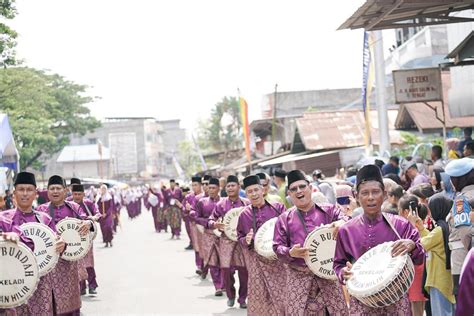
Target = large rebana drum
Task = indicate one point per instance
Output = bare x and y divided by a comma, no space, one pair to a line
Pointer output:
77,246
379,279
44,240
264,239
19,274
94,233
231,219
322,247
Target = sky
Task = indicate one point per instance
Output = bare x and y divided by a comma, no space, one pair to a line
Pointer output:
177,58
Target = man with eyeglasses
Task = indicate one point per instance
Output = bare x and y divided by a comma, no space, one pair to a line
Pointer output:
317,295
65,276
41,303
370,229
189,203
266,282
209,248
231,257
265,180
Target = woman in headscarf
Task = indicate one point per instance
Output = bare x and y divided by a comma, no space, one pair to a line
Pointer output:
106,207
439,283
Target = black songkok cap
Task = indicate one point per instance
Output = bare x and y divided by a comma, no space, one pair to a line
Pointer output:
295,175
232,178
56,180
368,173
251,180
77,188
185,189
280,173
214,181
25,178
262,176
206,177
75,181
196,179
172,181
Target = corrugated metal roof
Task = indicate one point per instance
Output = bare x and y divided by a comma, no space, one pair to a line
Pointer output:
386,14
419,116
341,129
83,153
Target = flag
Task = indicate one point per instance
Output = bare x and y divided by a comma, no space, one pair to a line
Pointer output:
367,82
244,115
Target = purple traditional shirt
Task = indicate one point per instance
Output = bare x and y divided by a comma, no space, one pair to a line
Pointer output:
67,209
8,226
223,206
254,217
192,200
18,218
361,234
175,194
90,208
204,208
290,230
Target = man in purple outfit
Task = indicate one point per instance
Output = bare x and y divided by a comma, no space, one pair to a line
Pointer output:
90,209
369,230
65,276
189,203
266,284
230,251
317,295
174,197
209,248
155,201
41,303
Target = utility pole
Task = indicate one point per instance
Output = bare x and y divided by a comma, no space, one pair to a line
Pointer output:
274,110
380,90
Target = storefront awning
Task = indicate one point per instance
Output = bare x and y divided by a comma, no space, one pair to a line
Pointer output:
390,14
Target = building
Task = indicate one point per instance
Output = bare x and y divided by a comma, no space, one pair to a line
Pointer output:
86,161
172,135
461,94
138,147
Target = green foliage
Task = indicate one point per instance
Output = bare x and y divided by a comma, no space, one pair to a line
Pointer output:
188,158
7,35
44,110
223,130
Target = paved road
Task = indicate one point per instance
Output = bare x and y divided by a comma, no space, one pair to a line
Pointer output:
146,273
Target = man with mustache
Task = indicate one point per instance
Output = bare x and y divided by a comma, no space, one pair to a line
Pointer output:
317,295
65,276
41,303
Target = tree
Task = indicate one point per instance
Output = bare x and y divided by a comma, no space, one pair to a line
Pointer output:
223,130
188,158
44,110
7,35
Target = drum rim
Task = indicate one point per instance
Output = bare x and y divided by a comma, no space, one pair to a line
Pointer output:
227,229
264,254
361,295
89,237
308,261
35,286
56,257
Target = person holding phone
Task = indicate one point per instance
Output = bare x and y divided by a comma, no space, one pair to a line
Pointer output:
408,206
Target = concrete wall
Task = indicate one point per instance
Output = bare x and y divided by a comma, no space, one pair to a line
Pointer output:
461,94
86,169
